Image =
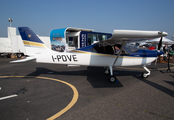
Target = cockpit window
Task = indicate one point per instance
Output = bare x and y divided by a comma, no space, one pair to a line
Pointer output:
131,48
108,49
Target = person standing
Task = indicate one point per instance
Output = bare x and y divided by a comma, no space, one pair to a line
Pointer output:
165,49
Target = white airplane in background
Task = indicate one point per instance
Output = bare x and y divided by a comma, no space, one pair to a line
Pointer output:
101,54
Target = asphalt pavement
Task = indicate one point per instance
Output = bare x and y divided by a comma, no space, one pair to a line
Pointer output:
32,91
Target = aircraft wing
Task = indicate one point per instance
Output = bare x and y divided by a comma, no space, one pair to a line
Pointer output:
23,60
123,36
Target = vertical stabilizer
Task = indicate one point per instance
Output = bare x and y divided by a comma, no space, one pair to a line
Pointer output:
31,41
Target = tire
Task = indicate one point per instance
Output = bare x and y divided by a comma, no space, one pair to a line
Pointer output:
144,75
112,79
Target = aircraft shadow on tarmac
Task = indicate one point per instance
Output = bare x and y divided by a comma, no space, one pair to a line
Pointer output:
97,79
95,76
159,87
169,82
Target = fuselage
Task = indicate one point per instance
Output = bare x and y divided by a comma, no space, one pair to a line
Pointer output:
88,58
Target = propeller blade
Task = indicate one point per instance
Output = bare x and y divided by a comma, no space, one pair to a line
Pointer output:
159,46
160,43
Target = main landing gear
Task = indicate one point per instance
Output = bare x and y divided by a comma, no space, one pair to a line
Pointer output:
112,78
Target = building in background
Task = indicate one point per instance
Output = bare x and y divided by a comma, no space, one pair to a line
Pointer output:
13,46
67,39
60,40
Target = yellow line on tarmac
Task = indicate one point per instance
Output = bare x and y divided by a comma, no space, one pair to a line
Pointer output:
73,101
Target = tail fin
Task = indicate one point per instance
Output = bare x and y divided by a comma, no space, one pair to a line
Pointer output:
32,43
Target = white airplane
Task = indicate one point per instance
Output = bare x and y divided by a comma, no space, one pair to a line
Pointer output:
101,54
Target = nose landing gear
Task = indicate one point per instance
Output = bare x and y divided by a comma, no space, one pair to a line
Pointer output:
145,75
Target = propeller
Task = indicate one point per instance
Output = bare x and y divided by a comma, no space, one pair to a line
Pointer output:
160,43
159,46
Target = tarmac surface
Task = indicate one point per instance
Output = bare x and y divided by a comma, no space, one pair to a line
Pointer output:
48,91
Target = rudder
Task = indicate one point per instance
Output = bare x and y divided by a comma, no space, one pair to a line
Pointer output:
29,37
31,41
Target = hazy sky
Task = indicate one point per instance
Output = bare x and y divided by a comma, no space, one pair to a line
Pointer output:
101,15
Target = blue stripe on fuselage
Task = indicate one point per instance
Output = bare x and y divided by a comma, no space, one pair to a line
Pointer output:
144,53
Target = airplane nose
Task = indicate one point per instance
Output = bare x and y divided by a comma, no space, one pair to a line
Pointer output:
159,53
163,34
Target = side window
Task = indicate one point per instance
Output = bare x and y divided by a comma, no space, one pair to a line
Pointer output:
117,49
109,36
100,37
104,37
92,38
104,49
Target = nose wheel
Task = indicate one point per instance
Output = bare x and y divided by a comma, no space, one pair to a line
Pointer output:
145,75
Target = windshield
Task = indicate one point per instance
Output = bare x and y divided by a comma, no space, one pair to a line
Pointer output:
131,48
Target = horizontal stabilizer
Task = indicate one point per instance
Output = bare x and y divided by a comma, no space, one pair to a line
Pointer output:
23,60
73,65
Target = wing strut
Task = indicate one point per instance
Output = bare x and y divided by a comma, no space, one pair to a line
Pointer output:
112,78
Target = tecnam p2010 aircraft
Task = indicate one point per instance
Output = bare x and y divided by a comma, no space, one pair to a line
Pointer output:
108,53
